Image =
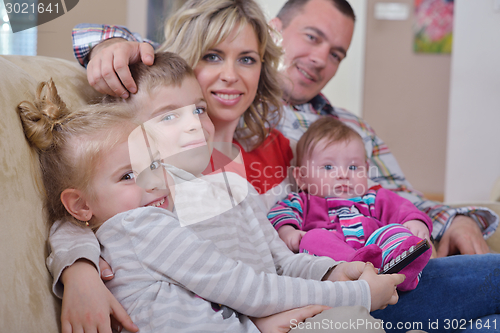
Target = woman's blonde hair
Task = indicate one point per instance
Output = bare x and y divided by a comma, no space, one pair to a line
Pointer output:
69,144
201,24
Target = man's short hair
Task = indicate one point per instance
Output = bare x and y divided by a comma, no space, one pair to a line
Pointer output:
328,128
292,7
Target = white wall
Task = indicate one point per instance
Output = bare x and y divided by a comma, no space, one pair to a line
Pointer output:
137,12
346,88
473,152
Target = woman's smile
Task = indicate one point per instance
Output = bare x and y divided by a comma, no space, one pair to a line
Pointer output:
228,97
229,75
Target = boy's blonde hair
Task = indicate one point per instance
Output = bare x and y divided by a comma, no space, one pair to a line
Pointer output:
201,24
168,69
69,144
328,128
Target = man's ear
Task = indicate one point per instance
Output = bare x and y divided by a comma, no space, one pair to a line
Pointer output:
299,177
76,204
276,24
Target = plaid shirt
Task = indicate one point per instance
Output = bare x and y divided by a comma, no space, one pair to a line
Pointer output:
86,36
384,169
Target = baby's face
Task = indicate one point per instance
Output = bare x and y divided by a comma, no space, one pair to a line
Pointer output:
334,170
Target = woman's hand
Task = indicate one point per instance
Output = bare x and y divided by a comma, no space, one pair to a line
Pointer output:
87,303
108,71
281,322
382,287
291,237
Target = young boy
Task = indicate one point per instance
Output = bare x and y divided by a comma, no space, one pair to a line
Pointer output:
337,215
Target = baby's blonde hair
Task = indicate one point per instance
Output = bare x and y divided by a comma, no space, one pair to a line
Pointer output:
69,144
201,24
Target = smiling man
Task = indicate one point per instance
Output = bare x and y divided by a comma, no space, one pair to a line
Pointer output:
316,37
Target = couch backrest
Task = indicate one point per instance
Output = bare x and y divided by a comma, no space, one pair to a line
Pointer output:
26,301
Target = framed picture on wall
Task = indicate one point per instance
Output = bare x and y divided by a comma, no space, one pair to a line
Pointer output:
433,26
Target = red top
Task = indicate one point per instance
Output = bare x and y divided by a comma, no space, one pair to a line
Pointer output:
267,165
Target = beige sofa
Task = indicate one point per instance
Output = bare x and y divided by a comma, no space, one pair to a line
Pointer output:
26,302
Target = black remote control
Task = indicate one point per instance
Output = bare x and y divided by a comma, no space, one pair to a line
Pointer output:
405,258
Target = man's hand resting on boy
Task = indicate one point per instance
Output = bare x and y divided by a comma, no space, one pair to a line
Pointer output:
108,71
291,237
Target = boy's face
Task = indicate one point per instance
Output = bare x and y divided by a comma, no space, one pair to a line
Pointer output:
334,170
177,129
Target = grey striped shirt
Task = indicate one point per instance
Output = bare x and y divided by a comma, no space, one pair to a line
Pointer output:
236,259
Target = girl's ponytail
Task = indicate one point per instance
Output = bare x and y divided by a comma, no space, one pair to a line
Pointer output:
42,118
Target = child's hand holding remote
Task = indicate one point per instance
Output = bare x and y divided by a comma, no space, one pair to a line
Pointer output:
382,287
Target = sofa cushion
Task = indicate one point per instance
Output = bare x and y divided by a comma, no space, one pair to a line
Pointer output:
27,304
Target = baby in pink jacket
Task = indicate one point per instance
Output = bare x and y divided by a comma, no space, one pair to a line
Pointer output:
336,214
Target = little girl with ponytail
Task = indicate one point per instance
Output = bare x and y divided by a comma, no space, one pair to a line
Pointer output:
69,144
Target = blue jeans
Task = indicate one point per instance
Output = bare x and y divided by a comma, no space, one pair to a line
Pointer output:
452,293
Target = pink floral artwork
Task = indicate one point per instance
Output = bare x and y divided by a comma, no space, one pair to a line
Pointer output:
433,26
